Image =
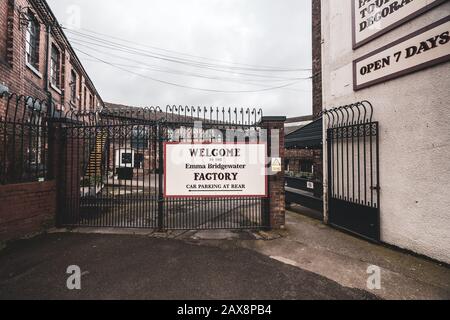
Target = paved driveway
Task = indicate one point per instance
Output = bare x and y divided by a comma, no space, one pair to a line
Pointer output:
136,267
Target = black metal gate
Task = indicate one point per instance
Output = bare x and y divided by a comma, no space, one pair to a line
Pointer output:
113,175
353,170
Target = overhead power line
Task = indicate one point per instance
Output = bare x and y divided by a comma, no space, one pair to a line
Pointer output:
188,74
158,68
91,46
143,53
224,64
185,86
248,82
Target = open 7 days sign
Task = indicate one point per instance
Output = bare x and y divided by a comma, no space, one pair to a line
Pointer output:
421,49
215,170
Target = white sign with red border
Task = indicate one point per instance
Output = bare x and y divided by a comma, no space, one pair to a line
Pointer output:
215,170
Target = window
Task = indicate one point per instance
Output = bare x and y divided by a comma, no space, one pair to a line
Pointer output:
286,165
139,161
306,166
91,102
73,87
32,41
140,138
55,64
84,99
127,158
3,30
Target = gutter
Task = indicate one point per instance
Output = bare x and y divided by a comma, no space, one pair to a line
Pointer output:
46,74
47,57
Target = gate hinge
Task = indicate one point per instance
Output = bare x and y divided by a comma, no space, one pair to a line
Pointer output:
377,188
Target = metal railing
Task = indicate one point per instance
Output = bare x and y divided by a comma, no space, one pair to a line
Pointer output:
353,155
23,139
25,121
130,195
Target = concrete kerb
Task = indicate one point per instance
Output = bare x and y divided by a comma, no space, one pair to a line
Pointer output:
207,235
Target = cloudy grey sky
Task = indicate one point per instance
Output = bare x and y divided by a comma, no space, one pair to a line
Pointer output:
230,53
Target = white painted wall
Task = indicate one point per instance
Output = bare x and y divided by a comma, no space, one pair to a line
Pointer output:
414,116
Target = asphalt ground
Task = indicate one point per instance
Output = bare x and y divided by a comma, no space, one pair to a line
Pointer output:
137,267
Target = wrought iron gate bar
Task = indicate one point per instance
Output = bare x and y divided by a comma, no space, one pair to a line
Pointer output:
121,184
353,169
172,114
110,166
24,125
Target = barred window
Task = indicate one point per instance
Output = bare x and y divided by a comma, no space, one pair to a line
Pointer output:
55,65
32,41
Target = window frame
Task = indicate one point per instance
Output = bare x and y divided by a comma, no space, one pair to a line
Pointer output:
91,101
55,67
306,166
73,86
32,35
85,98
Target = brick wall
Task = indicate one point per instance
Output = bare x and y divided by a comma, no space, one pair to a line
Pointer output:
21,79
314,155
26,208
66,161
70,178
276,180
3,30
13,70
317,56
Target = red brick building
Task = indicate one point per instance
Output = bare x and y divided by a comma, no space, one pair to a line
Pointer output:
37,60
304,167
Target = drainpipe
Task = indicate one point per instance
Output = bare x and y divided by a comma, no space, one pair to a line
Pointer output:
325,174
46,74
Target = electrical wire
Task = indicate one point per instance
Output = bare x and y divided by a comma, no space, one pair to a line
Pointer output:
247,67
189,75
184,86
153,67
87,44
